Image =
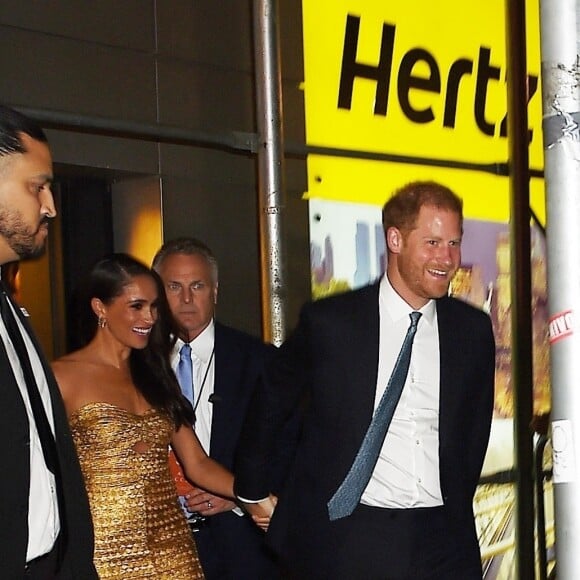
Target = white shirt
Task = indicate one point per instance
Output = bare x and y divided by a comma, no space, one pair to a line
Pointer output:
407,472
43,517
201,355
202,348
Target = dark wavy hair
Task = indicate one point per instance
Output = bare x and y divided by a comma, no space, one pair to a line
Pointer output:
150,367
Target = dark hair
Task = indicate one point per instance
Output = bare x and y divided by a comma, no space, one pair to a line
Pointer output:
402,210
12,125
189,247
150,367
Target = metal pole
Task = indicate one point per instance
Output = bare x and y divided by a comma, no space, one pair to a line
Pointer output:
561,109
270,166
521,285
541,515
239,142
235,141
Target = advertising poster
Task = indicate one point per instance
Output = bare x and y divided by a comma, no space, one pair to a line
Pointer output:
398,92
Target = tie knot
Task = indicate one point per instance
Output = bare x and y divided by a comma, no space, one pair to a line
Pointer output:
185,351
415,318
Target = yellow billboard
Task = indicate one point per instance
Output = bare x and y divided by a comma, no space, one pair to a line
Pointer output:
404,91
415,90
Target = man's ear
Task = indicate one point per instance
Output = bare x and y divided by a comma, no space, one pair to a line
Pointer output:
215,293
394,239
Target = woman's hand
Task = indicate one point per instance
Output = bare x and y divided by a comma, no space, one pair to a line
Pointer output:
207,504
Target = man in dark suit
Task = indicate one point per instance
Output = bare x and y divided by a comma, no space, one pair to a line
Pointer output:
225,368
46,529
412,517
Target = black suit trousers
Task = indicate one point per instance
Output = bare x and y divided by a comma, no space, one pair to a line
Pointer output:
225,557
391,544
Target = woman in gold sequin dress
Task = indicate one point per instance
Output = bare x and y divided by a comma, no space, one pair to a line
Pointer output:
125,408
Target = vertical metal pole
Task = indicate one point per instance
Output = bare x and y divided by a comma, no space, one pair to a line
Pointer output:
540,508
270,166
561,110
521,285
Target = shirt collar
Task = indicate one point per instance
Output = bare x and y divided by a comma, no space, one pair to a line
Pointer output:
202,344
397,308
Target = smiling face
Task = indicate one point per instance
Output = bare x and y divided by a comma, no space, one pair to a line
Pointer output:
131,315
423,260
26,202
191,291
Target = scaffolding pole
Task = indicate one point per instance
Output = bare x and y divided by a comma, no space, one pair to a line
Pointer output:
270,166
561,114
521,284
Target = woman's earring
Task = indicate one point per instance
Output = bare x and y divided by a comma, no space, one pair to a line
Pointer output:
102,322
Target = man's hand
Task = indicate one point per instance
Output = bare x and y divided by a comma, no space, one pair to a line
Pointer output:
262,511
207,504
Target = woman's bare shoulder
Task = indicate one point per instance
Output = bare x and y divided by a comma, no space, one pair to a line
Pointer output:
71,364
76,381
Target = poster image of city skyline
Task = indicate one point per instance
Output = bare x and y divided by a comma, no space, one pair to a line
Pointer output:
347,243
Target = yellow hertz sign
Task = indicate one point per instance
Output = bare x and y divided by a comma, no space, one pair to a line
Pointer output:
416,90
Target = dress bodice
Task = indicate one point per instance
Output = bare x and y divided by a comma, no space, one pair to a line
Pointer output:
109,438
140,531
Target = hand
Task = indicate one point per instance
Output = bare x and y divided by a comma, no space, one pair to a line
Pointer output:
207,504
262,511
262,523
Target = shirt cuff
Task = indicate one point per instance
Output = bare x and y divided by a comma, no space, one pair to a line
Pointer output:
252,500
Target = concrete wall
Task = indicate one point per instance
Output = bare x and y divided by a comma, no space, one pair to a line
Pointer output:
173,62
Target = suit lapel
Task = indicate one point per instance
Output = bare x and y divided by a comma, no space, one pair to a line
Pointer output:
58,411
228,362
32,336
448,356
9,385
364,359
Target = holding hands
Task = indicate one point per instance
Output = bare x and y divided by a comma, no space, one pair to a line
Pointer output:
262,511
206,503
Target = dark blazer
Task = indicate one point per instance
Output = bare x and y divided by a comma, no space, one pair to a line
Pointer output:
14,484
232,546
332,355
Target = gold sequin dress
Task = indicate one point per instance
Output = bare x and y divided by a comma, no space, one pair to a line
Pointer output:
140,531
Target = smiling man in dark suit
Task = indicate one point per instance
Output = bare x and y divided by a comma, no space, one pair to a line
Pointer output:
46,529
400,357
225,366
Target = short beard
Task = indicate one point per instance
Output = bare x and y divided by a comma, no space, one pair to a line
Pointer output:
20,238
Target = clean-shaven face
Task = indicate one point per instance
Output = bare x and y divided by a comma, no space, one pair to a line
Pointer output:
191,292
131,315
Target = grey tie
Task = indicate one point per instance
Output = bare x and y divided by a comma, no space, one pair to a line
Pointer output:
348,495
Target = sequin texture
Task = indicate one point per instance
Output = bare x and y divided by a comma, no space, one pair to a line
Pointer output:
140,531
